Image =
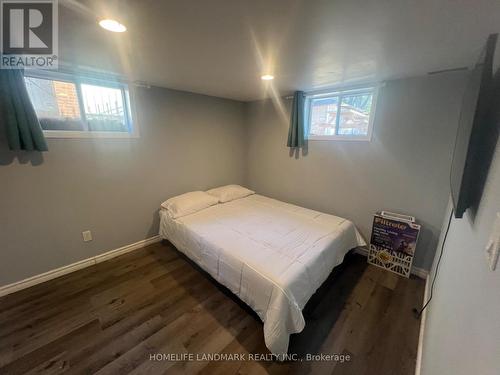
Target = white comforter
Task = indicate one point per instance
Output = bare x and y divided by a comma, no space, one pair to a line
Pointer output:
271,254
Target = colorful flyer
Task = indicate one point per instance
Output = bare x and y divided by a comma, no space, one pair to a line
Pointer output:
393,242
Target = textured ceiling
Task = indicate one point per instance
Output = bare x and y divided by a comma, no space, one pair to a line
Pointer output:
221,47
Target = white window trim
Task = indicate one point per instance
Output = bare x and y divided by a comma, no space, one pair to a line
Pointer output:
68,134
88,78
352,89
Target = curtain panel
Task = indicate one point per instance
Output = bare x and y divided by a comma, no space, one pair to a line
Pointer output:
297,121
17,114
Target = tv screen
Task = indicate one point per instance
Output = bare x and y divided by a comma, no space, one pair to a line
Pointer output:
474,129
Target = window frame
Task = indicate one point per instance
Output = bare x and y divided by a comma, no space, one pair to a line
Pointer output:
79,78
340,93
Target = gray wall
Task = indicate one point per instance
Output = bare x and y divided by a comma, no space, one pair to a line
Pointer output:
114,187
110,186
462,331
405,168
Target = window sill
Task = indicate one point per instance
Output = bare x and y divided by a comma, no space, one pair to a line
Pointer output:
87,135
338,138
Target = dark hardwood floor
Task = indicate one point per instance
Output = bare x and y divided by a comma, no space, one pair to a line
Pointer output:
110,319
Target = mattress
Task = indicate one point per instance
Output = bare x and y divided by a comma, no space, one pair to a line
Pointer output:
272,255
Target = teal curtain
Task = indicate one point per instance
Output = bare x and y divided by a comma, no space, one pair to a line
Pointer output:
297,119
17,114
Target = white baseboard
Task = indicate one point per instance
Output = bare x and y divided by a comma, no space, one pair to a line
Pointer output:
417,271
418,366
52,274
125,249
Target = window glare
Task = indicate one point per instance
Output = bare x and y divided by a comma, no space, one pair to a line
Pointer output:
324,116
56,103
104,108
352,121
355,114
70,105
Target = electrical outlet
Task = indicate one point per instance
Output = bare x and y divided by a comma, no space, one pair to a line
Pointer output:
87,236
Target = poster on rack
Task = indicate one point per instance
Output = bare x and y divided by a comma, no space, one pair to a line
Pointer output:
393,242
394,235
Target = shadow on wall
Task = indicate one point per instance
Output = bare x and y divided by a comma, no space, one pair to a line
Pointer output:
296,152
155,224
427,239
8,156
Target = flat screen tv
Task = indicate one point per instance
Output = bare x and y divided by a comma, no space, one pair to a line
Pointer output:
477,132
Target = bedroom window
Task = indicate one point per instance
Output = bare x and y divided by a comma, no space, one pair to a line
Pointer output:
341,115
72,106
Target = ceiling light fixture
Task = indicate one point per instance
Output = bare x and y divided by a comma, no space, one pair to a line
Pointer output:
112,25
267,77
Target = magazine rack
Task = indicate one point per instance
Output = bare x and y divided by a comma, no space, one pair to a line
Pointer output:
393,242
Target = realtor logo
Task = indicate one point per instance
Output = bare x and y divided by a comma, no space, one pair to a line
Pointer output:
29,34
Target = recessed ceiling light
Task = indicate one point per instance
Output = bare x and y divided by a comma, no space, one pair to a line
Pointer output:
112,25
267,77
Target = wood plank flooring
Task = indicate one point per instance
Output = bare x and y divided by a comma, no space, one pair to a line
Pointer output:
111,317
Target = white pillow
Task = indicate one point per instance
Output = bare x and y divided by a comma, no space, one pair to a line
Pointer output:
230,192
188,203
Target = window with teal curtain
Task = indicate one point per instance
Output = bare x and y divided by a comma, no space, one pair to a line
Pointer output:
297,121
17,115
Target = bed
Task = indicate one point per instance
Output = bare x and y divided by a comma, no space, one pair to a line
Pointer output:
272,255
